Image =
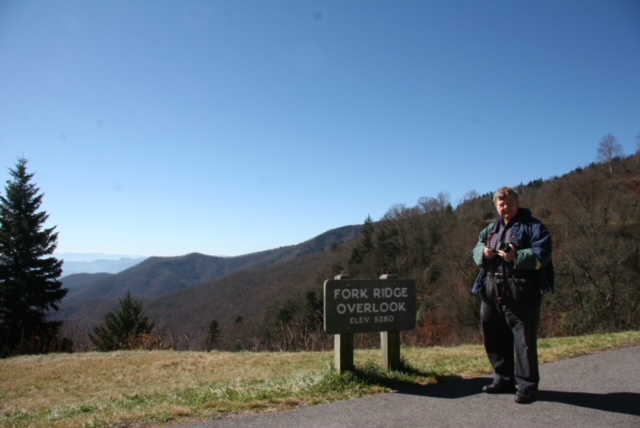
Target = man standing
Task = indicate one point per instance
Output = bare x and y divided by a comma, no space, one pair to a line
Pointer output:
514,253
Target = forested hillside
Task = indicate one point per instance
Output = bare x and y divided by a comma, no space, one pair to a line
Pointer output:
594,217
158,282
593,214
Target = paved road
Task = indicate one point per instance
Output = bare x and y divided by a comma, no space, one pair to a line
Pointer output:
595,391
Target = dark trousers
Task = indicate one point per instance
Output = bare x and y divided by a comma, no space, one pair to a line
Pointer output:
510,334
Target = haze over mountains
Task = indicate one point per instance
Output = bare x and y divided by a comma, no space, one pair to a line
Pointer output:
96,262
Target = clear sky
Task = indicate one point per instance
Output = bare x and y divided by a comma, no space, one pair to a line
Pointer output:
164,127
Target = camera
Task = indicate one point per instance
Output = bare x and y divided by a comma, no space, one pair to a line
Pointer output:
504,246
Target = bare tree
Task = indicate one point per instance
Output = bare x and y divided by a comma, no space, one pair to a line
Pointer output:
608,150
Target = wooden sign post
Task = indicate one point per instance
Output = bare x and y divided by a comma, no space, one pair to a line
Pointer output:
351,306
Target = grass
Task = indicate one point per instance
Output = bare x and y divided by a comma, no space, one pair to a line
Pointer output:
145,388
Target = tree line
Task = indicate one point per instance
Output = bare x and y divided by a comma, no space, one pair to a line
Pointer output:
593,214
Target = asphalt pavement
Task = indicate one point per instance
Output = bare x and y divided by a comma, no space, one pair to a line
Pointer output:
595,391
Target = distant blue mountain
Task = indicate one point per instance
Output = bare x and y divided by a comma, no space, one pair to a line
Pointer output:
96,263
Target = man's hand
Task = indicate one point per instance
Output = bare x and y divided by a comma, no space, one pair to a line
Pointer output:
510,255
489,253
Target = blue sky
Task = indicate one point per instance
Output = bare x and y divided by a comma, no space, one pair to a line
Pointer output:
227,127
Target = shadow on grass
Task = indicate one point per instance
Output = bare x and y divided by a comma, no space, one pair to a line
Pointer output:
410,380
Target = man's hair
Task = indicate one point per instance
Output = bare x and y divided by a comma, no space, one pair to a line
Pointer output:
503,192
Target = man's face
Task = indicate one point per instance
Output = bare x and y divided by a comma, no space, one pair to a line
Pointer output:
507,207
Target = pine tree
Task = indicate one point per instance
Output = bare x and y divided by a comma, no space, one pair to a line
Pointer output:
29,286
125,328
213,335
364,248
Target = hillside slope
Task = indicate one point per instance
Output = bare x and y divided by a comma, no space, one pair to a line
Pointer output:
162,282
244,295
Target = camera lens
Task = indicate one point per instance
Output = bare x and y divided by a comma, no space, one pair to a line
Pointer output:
504,246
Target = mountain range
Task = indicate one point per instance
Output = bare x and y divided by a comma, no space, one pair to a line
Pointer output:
185,294
95,263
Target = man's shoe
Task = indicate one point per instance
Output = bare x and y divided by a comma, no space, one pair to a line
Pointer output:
499,388
525,396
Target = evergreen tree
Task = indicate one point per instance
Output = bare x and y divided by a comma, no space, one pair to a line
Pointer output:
213,335
314,311
360,261
367,234
124,328
29,286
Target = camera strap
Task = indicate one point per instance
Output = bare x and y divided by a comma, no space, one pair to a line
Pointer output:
500,269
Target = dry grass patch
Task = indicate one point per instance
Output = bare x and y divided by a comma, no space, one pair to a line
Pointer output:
138,387
93,389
